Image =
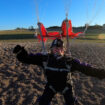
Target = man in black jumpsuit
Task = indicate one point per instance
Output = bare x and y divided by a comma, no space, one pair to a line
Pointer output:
56,66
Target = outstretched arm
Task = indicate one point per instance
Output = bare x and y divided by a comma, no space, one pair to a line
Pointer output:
87,69
24,57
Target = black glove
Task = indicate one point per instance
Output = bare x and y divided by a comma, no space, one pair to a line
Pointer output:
101,74
17,49
20,52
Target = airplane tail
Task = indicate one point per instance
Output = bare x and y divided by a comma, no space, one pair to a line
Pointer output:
42,29
45,34
64,28
70,32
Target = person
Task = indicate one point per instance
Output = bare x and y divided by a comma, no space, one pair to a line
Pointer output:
56,65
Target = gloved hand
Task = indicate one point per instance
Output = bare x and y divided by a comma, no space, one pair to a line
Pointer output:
17,49
101,74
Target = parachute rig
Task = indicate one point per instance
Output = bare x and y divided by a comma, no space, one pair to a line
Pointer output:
67,33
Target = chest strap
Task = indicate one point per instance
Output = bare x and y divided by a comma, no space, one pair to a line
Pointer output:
56,69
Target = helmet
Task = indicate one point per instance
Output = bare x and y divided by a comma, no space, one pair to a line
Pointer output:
57,43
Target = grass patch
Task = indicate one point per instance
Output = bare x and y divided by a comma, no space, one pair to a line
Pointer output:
26,35
13,32
16,36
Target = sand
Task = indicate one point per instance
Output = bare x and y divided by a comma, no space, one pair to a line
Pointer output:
21,84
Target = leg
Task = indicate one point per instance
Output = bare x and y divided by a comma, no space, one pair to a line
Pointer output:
47,96
68,96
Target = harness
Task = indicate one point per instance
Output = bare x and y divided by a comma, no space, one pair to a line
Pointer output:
63,91
67,69
56,69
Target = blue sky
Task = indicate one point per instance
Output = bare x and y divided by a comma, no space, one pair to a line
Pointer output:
22,13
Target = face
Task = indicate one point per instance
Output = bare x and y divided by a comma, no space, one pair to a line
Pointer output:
58,50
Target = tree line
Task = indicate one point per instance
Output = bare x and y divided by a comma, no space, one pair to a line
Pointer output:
31,28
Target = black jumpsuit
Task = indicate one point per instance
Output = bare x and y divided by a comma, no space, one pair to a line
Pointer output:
56,69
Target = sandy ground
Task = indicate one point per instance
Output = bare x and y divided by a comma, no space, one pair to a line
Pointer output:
21,84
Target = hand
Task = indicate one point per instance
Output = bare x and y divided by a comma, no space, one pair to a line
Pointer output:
17,49
101,74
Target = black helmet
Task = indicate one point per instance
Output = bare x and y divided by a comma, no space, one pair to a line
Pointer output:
57,42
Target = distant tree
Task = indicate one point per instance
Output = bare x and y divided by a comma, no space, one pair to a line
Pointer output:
31,28
98,26
95,27
18,28
103,26
54,27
